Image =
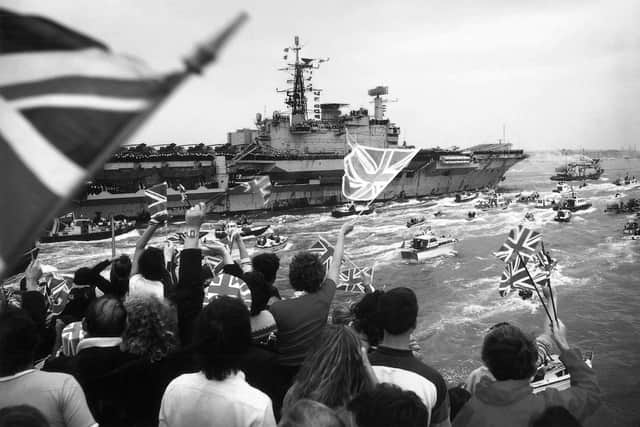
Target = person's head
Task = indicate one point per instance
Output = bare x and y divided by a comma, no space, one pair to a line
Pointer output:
387,405
458,396
18,341
105,317
341,315
152,327
260,291
119,275
556,416
367,318
509,353
222,335
309,413
334,371
306,272
22,416
267,264
398,311
83,277
151,264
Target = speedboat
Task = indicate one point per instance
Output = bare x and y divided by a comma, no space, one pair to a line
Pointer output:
544,203
563,215
352,209
68,228
529,216
271,241
471,215
528,197
555,375
223,230
415,221
427,245
562,187
465,197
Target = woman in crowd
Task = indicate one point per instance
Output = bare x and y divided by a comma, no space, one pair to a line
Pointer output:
263,325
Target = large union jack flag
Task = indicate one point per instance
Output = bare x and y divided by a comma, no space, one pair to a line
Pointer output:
324,250
157,198
229,285
356,279
260,186
521,241
515,276
368,170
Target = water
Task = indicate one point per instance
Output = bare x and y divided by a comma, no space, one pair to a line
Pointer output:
596,281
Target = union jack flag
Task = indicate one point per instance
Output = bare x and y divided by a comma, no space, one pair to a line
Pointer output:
515,276
521,241
157,198
356,280
260,186
368,170
229,285
71,336
214,263
59,290
324,250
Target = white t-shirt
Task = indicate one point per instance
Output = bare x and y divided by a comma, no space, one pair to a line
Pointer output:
195,401
138,285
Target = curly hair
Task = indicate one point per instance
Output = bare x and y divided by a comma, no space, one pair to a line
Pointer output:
509,353
334,372
152,327
306,272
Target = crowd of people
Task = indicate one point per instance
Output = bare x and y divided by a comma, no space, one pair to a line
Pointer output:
162,343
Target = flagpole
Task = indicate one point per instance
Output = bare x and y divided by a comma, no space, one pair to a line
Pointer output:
113,238
205,54
536,288
553,302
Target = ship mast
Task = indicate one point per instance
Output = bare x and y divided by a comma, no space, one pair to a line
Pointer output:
301,71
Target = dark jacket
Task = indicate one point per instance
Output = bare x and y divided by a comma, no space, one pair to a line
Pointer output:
512,402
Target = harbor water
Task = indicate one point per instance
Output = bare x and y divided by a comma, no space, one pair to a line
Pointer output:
596,281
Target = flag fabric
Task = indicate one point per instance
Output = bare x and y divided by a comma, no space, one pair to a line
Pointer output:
260,186
157,198
521,241
356,279
368,170
59,290
214,263
66,103
324,250
184,197
71,336
229,285
515,276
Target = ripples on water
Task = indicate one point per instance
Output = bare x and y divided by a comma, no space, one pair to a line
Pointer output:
596,281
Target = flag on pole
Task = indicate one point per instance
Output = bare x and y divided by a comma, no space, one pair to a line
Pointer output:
260,186
157,198
184,197
368,170
65,102
324,250
515,276
521,241
356,280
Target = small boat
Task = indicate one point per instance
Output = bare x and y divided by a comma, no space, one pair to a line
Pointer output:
563,216
427,245
271,241
574,203
631,228
471,215
465,197
352,209
528,197
529,216
437,214
555,375
544,203
415,221
562,187
68,228
245,231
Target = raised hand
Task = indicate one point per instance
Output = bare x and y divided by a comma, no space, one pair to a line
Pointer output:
195,216
32,274
347,227
559,335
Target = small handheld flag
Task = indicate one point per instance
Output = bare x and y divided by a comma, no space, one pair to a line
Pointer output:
157,198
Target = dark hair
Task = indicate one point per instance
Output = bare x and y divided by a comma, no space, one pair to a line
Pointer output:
367,317
18,341
306,272
509,353
556,416
458,396
119,275
22,416
308,413
151,264
105,317
259,291
334,371
387,405
222,335
267,264
84,276
398,310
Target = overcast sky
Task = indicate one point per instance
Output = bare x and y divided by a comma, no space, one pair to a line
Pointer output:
559,74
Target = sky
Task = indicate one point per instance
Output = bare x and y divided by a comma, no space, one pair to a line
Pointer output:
557,74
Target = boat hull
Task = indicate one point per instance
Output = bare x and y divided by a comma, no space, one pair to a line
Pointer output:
338,213
417,256
87,237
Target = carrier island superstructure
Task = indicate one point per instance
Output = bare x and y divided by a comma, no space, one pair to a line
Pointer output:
302,152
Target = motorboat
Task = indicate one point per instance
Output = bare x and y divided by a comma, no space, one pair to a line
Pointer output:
493,201
68,228
545,203
574,203
271,241
415,221
528,197
427,245
352,209
563,215
631,228
529,216
465,197
562,187
554,374
472,215
224,230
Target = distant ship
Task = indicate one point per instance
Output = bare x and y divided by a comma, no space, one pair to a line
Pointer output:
301,151
583,169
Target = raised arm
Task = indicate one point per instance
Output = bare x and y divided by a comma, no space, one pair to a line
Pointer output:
338,252
245,261
156,220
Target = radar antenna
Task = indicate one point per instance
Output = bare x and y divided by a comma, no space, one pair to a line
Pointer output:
379,103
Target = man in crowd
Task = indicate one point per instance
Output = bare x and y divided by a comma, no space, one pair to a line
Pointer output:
393,362
389,406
